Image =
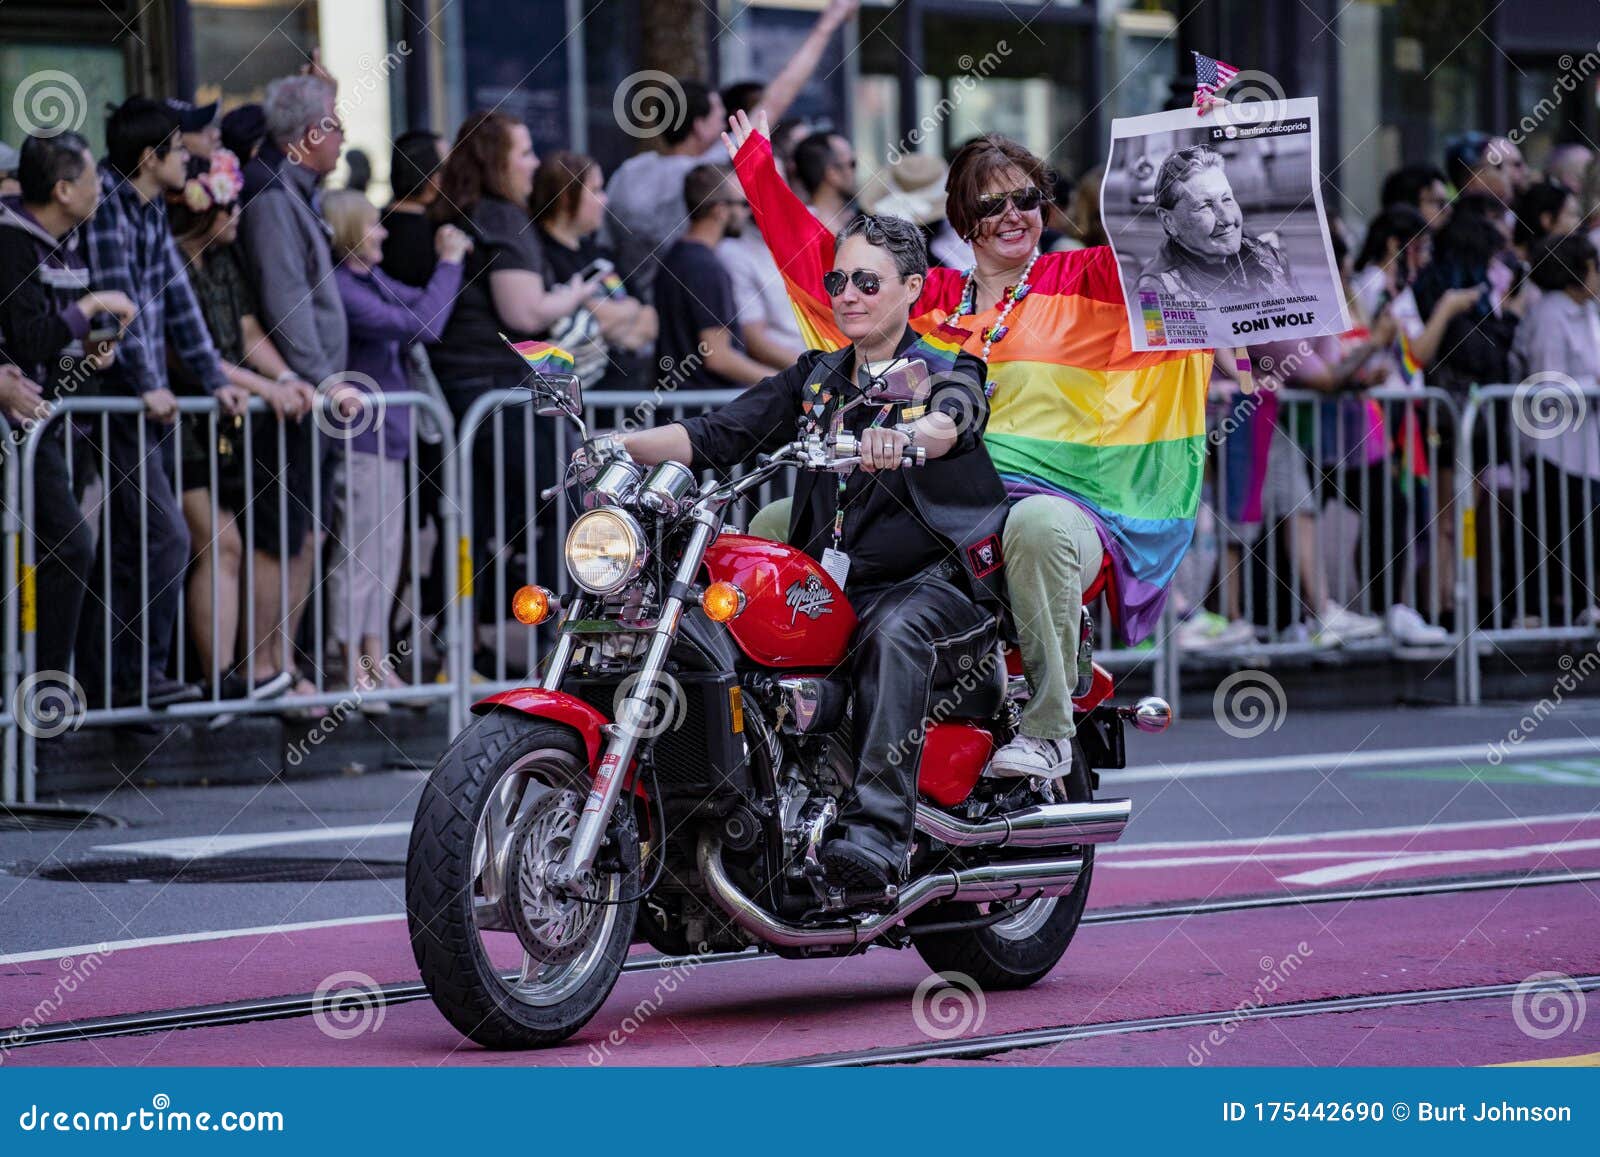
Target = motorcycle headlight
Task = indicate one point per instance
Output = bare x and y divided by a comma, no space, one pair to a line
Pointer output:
605,550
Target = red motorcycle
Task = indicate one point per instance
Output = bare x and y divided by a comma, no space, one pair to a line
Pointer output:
674,774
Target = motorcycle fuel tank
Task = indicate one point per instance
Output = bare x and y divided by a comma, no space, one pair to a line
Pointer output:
794,616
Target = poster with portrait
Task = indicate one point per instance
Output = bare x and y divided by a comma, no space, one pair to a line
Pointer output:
1217,225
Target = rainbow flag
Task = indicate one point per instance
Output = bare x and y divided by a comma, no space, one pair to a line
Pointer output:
939,347
613,286
542,356
1075,412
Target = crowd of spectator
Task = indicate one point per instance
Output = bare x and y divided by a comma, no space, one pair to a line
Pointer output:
207,256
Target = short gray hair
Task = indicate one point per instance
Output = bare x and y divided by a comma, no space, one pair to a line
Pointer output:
294,106
902,239
1179,167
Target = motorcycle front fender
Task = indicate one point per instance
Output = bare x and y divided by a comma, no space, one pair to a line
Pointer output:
558,707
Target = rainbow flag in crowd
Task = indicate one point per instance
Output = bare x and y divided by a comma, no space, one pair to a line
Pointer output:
542,356
1075,411
612,284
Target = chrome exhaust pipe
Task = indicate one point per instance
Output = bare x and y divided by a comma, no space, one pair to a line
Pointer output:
1008,881
1051,825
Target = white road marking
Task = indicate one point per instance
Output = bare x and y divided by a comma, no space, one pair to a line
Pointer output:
199,847
1400,860
1347,760
1116,850
106,948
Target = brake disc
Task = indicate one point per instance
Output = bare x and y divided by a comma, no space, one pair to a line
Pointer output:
553,927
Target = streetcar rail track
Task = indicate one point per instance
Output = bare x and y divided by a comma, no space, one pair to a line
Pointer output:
308,1004
969,1048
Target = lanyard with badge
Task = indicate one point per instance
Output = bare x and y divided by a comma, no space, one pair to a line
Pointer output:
896,384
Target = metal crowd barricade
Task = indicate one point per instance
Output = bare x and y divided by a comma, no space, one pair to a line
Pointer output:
1529,480
489,418
10,615
1376,467
329,457
503,418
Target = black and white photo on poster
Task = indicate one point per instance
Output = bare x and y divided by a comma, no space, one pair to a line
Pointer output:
1217,225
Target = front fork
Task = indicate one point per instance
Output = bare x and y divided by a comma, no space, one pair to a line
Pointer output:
622,737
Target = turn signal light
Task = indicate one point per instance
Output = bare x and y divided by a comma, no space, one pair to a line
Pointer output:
722,602
531,605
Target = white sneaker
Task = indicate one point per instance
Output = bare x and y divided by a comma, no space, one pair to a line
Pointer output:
1412,630
1346,625
1025,756
1206,629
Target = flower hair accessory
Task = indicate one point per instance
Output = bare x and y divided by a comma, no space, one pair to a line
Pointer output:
216,187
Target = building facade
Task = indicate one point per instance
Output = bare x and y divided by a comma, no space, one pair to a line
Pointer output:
1395,77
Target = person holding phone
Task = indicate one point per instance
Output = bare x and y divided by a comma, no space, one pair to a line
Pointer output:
569,206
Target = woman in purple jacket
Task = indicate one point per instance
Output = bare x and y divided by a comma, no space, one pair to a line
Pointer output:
385,317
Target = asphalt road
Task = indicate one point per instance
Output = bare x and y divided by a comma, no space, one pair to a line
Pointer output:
1224,806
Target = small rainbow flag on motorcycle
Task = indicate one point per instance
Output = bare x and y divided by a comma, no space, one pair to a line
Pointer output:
543,357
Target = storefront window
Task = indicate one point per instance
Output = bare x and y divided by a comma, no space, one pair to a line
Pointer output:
242,45
55,86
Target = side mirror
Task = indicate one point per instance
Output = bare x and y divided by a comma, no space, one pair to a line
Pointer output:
557,395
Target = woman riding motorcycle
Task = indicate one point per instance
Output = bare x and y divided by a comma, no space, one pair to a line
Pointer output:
1101,449
916,550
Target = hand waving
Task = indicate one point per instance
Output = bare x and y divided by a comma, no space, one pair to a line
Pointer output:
741,130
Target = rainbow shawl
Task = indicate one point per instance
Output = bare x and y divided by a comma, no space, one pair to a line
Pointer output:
1075,411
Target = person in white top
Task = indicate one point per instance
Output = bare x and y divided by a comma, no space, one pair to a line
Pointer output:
647,210
1557,355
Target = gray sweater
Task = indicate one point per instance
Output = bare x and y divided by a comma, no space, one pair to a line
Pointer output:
288,256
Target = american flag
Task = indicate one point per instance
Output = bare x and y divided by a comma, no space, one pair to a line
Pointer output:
1210,75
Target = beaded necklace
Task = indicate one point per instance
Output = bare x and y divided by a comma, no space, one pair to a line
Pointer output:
997,331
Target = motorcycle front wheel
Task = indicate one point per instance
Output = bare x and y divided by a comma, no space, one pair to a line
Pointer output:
509,963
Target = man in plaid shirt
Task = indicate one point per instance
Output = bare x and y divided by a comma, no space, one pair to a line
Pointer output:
131,250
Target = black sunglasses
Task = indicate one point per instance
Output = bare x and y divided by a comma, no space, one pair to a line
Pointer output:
865,280
1026,199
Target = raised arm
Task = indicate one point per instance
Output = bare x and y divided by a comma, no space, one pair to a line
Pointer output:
800,244
782,89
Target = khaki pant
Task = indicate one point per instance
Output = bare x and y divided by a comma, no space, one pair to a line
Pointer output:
1052,552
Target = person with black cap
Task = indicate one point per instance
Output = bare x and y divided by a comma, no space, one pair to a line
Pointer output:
243,131
198,125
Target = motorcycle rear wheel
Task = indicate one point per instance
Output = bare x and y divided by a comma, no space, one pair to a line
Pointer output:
455,888
1030,940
